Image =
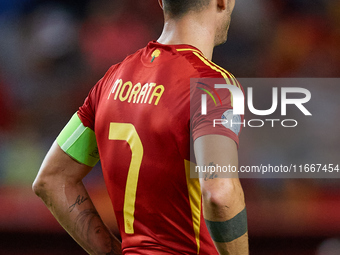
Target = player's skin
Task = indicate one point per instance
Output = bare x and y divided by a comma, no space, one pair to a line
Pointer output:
59,181
223,198
59,185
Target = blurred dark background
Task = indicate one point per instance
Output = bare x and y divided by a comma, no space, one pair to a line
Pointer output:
53,52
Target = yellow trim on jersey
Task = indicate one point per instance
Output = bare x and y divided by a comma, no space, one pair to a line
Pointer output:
232,77
194,190
189,50
225,74
213,67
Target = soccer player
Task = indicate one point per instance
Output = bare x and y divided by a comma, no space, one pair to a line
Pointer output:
138,120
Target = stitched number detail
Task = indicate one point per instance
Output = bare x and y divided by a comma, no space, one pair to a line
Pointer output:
127,132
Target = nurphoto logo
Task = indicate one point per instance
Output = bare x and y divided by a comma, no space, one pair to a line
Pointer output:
232,120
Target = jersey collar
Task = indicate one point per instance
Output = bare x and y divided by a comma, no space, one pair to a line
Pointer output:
174,47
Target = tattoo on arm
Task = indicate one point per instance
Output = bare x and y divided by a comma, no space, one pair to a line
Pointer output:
93,231
209,175
79,201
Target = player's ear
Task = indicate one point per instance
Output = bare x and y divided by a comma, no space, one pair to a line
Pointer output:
222,4
160,3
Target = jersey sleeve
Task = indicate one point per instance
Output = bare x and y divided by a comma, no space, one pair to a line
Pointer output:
219,119
87,111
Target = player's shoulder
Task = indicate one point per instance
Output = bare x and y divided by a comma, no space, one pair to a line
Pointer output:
128,59
205,67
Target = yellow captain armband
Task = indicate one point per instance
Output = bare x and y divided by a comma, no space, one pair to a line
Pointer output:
79,142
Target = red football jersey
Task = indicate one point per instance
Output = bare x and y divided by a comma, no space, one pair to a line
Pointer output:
140,112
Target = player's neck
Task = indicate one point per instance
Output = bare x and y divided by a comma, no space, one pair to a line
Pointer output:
191,31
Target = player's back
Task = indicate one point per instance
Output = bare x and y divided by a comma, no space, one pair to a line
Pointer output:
142,125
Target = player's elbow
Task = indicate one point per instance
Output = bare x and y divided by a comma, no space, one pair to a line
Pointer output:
44,183
227,194
39,186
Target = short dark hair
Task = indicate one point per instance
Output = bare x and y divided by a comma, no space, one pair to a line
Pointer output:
176,8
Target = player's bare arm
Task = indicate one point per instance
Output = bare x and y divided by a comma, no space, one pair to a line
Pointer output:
223,198
59,185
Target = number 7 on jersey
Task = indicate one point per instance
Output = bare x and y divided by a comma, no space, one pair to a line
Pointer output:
127,132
